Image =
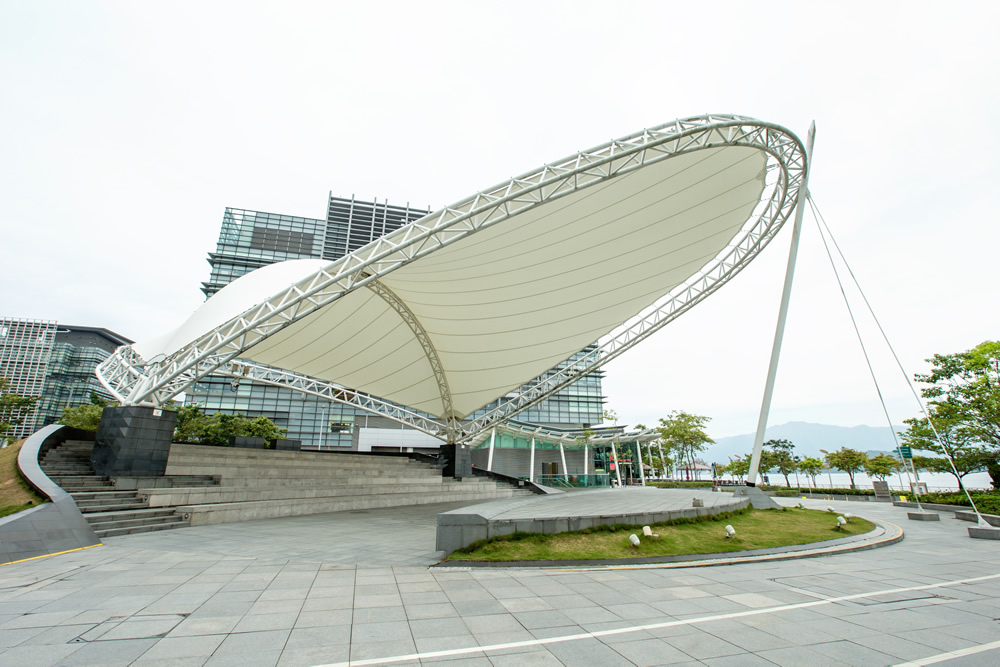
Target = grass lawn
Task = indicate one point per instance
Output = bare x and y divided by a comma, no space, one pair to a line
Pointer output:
755,529
15,495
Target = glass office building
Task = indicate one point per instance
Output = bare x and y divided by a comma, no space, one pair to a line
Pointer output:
70,379
251,239
55,362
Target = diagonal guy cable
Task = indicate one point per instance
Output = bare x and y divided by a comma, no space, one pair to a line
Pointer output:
944,447
861,342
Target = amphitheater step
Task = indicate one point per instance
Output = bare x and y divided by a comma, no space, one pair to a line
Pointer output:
109,512
175,522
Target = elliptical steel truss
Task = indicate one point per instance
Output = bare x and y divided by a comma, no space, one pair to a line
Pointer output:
134,380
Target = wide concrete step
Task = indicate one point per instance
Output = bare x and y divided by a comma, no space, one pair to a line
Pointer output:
246,511
89,509
97,504
67,470
86,488
168,516
163,497
89,488
131,514
180,467
102,495
145,528
329,480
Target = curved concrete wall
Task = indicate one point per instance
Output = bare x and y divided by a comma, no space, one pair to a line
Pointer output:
51,528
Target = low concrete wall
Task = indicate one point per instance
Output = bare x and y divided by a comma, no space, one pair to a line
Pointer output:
51,528
460,528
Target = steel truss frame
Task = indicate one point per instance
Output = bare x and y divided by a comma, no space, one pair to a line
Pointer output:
248,370
134,380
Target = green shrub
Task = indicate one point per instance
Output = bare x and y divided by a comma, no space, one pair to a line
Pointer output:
988,503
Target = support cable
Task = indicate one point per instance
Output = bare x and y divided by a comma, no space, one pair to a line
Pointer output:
861,342
821,221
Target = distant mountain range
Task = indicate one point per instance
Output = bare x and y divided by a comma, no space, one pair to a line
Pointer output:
808,440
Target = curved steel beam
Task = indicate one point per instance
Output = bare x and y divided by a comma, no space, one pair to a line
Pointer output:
133,380
453,427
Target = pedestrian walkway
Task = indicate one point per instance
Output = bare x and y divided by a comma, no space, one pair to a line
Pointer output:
333,588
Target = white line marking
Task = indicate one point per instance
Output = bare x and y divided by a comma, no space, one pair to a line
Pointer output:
654,626
941,657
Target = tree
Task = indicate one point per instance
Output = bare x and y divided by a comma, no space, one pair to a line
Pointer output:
966,387
85,417
964,464
881,466
739,468
781,457
13,408
195,426
847,460
683,435
811,466
954,436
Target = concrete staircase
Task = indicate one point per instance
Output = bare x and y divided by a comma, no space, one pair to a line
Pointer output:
109,510
259,484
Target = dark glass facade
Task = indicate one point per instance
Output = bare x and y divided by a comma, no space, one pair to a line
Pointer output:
251,239
55,362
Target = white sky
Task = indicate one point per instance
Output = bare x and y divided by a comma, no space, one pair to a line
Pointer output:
127,128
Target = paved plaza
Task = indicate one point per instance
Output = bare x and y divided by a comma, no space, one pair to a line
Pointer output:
356,586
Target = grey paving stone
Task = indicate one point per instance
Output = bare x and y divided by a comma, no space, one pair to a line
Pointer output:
256,659
39,656
493,623
587,652
534,658
702,645
415,612
120,652
329,636
384,649
262,622
381,632
432,644
13,637
525,604
170,648
797,656
438,627
742,660
205,626
853,654
479,608
317,655
542,619
379,615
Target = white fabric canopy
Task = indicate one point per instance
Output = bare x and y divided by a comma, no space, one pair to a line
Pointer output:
503,305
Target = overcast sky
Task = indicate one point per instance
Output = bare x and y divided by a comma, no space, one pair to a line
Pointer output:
128,127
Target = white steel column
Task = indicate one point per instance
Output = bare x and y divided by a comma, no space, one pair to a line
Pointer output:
585,455
562,455
642,473
531,472
663,461
765,408
618,468
489,461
